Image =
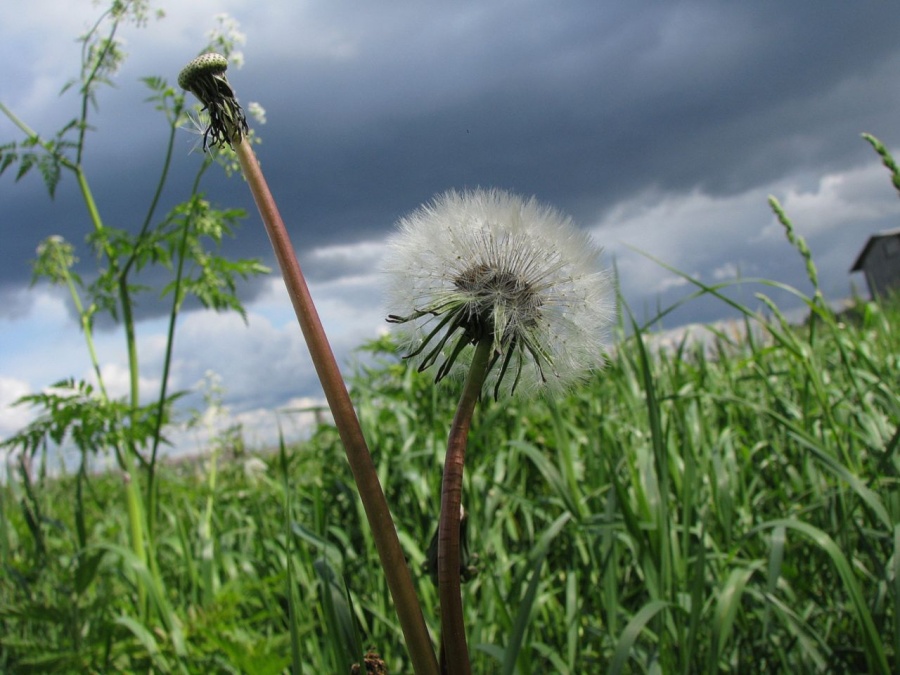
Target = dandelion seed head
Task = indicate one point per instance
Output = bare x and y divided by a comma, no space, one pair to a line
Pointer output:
487,264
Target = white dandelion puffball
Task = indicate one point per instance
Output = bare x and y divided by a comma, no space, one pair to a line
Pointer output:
487,264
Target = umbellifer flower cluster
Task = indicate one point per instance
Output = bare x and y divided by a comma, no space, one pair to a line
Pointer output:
487,264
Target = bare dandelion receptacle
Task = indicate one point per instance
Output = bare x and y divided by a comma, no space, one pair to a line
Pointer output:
205,77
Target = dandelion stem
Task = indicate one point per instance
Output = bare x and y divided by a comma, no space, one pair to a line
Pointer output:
455,654
384,533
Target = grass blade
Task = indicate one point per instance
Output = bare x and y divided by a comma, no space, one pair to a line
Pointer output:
632,630
872,640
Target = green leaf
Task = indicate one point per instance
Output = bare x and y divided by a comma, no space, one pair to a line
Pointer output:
86,570
520,625
872,638
342,635
630,635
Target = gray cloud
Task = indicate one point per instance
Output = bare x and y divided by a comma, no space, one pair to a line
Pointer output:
373,110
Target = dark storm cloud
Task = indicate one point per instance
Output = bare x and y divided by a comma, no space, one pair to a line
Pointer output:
582,103
583,108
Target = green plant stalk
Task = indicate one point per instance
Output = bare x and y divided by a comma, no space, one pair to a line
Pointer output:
122,275
88,81
127,314
170,343
133,498
131,341
393,560
291,587
4,526
124,298
76,167
86,328
207,545
136,526
124,295
453,630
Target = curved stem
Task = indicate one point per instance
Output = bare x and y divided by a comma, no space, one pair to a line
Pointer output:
160,184
393,561
453,628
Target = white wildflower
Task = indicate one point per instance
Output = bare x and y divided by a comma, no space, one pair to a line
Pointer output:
226,37
255,469
490,265
257,112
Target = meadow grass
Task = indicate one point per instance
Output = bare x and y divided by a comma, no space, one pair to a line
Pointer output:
728,504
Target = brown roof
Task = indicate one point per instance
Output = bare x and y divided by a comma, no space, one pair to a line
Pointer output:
857,265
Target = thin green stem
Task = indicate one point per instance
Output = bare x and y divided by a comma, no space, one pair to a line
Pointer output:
35,137
90,204
125,300
92,75
160,184
86,327
131,341
124,293
453,631
381,523
167,360
124,296
136,526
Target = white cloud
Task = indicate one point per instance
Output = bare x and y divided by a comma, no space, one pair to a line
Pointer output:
117,380
850,199
693,233
257,428
726,271
42,344
364,254
672,281
716,237
13,418
259,361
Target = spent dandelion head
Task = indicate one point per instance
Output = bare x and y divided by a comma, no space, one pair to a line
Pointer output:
205,78
489,265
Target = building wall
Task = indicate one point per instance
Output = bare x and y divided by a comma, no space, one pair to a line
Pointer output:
882,265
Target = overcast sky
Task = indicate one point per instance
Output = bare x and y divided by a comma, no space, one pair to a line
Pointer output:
659,126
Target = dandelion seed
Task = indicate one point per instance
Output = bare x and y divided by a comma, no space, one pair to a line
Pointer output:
489,265
197,122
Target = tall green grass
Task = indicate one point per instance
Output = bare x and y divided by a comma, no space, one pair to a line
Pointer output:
722,505
728,504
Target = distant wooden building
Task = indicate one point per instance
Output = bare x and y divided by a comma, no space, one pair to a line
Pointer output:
880,262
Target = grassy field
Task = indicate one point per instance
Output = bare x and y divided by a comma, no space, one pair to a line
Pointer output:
730,505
